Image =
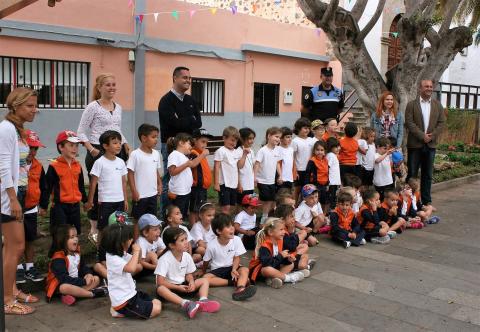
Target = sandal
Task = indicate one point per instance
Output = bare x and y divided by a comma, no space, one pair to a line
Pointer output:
16,308
26,298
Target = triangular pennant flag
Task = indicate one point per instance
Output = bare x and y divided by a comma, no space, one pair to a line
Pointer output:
317,32
140,18
130,3
277,2
234,9
192,12
155,16
254,8
175,14
395,34
213,10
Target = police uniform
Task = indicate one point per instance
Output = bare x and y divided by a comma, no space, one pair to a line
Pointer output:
321,103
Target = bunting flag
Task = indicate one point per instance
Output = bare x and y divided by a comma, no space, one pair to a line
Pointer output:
139,18
175,14
213,11
234,9
192,12
395,34
155,16
130,3
318,31
254,8
277,2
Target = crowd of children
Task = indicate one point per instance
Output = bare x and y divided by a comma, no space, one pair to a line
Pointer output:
309,180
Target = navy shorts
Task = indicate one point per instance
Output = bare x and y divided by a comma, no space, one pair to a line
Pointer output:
286,184
322,194
227,196
302,179
7,218
198,197
143,206
224,273
30,226
266,192
139,306
182,201
105,209
65,213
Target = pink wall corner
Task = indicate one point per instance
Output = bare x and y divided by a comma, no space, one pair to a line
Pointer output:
337,73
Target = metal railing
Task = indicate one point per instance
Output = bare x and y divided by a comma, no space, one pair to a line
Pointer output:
460,96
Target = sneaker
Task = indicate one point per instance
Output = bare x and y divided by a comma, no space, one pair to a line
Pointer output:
363,241
433,220
295,277
274,282
243,293
33,275
325,229
20,276
68,300
208,306
380,239
347,244
305,272
116,314
100,291
311,264
392,234
191,308
415,225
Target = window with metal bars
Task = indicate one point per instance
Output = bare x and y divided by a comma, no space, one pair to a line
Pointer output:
209,95
265,99
60,84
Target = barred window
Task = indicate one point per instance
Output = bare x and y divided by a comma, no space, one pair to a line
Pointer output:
265,99
60,84
209,95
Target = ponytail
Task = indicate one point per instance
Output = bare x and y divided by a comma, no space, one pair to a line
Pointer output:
98,83
269,225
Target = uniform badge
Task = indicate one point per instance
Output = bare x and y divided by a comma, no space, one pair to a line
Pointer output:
319,93
307,96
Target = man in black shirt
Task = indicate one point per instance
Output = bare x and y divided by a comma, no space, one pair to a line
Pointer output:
323,101
178,113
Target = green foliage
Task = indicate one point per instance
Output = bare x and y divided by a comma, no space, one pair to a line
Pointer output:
465,159
453,173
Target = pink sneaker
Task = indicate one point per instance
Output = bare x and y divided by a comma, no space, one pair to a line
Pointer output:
325,229
415,225
68,300
209,306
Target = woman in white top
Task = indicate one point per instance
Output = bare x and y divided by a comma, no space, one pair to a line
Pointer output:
22,107
100,115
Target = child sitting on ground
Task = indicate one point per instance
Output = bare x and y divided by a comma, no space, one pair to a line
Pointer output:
423,211
405,206
223,256
375,230
175,276
355,183
309,214
67,275
285,196
126,300
202,232
271,260
246,221
149,241
388,212
345,227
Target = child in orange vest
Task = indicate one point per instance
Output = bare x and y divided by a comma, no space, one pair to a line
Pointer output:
388,212
406,207
66,273
348,151
271,260
317,171
423,211
202,175
375,230
345,227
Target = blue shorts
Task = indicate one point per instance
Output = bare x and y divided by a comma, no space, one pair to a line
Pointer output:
227,196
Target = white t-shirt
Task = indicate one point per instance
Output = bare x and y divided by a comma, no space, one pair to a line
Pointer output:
333,169
173,270
246,172
360,157
268,159
303,151
110,174
303,213
145,167
286,154
180,184
121,286
369,159
199,233
150,247
358,202
73,261
246,221
189,236
228,166
222,255
382,175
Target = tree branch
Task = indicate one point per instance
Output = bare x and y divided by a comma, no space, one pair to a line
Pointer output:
329,13
433,37
358,9
419,7
449,13
361,36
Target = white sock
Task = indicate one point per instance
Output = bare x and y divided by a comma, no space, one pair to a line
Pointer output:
203,298
20,267
288,277
184,302
28,266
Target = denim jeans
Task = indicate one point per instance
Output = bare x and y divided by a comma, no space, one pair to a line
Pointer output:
422,158
165,179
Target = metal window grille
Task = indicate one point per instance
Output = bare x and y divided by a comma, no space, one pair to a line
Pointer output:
60,84
265,99
209,95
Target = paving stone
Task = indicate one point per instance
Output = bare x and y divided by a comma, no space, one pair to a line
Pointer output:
447,294
343,280
467,314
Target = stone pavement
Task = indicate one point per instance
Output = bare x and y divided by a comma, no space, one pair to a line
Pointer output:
424,280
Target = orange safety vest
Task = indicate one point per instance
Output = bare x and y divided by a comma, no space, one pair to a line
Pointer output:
32,197
68,180
369,225
348,151
345,222
326,136
255,265
322,170
52,282
206,174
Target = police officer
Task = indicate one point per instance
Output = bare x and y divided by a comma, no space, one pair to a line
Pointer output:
323,101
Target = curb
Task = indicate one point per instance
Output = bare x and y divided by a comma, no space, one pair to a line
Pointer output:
455,182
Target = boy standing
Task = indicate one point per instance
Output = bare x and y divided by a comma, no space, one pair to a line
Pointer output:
348,151
382,174
144,175
65,180
110,173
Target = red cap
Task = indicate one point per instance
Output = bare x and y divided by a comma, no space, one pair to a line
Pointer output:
251,200
33,140
67,135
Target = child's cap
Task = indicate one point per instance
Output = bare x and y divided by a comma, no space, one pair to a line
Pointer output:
197,133
67,135
251,200
316,123
120,218
397,157
148,220
308,189
33,140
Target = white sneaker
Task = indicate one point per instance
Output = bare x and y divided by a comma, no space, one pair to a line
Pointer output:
392,234
380,239
305,272
311,263
347,244
294,277
116,314
363,242
274,282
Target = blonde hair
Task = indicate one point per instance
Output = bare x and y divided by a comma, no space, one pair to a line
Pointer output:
99,81
16,98
270,224
231,131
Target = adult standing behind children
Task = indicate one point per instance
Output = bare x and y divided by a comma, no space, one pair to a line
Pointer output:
100,115
387,121
177,113
424,119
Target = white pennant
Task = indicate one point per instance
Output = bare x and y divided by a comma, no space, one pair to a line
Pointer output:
155,16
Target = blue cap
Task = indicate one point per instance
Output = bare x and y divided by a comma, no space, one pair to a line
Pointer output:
397,157
308,189
148,220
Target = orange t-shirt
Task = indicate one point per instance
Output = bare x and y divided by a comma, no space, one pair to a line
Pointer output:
348,151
